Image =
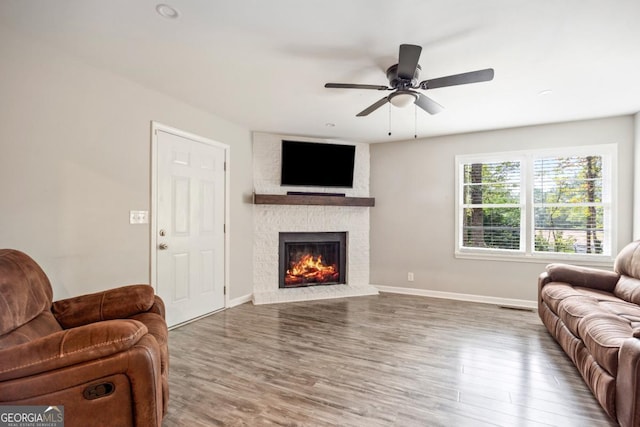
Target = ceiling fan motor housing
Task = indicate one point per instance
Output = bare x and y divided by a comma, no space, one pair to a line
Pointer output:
398,83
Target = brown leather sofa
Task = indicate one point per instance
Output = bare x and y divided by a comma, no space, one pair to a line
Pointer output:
103,356
595,317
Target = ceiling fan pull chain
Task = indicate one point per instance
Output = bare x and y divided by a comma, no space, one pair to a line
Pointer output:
415,121
389,119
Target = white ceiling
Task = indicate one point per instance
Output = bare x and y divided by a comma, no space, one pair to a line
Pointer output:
263,64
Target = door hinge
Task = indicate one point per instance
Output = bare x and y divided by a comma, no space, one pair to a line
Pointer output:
225,166
224,228
224,290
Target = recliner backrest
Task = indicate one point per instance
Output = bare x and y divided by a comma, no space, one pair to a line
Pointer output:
25,300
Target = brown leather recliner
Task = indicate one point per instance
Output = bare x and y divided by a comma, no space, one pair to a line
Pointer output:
103,356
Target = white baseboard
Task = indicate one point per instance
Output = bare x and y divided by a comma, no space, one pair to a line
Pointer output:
507,302
309,293
240,300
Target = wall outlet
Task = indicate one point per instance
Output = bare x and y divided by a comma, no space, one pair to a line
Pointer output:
410,276
138,217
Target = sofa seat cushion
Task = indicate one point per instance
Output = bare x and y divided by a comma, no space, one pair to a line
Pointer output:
626,310
556,292
597,294
603,334
573,309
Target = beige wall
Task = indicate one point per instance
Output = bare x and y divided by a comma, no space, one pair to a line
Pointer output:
412,224
75,158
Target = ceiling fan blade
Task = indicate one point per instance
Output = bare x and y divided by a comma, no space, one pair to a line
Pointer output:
373,107
408,60
428,104
354,86
459,79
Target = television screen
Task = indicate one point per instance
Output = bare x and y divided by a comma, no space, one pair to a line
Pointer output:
317,164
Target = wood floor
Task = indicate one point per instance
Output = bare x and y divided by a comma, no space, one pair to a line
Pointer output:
387,360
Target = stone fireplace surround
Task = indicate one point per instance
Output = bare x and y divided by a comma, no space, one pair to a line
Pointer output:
270,220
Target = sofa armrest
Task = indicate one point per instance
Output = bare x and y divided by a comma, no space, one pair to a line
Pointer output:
543,279
583,276
69,347
118,303
628,382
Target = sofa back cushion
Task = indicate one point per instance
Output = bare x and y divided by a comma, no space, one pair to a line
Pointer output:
628,289
628,266
628,260
25,294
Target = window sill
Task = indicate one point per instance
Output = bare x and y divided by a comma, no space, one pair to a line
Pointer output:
596,261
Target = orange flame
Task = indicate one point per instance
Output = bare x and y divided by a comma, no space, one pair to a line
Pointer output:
311,270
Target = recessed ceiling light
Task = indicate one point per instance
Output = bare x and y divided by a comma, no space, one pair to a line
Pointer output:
167,11
330,125
545,92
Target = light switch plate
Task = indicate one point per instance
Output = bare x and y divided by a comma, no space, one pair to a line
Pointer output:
138,217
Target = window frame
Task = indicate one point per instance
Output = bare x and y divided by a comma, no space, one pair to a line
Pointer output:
526,252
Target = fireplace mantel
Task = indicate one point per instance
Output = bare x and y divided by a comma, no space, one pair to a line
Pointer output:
280,199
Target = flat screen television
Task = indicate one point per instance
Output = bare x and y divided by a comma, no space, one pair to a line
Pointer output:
317,164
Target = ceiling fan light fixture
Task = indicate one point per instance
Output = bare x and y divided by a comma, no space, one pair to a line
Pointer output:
402,99
167,11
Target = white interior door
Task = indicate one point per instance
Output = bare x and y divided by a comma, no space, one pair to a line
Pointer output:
189,226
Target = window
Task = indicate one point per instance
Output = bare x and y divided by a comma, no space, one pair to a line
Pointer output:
536,203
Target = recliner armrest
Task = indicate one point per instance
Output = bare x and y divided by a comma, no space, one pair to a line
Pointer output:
118,303
69,347
582,276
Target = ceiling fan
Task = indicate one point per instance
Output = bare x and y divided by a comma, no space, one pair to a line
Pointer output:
403,80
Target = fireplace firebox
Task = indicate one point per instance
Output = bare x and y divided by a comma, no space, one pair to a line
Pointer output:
309,259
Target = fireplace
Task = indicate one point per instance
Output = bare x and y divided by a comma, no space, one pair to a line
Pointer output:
310,259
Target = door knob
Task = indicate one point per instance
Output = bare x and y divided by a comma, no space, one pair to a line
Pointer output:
163,246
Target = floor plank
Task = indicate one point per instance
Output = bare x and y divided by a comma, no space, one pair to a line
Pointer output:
384,360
